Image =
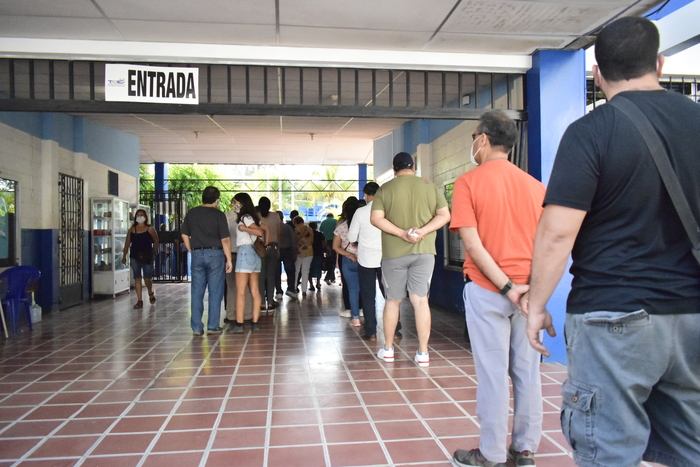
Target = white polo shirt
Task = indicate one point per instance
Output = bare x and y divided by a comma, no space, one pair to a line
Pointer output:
369,249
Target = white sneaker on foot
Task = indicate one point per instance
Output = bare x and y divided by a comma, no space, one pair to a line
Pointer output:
422,359
386,354
346,314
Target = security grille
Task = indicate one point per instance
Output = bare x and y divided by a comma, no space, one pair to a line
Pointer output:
71,241
167,213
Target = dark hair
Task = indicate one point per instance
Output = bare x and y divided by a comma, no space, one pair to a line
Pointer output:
370,189
210,195
627,48
500,129
298,220
293,213
349,208
145,214
313,225
246,207
330,214
361,203
264,206
281,214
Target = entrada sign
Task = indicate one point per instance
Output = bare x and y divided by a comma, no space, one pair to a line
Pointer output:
161,85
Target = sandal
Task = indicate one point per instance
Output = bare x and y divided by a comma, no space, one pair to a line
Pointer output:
139,304
152,297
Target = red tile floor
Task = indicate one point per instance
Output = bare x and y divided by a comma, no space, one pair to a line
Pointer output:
102,384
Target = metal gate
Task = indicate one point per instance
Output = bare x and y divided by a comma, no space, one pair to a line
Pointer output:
71,241
168,210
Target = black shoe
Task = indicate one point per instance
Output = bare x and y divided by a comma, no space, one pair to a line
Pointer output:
398,336
318,286
228,321
255,327
215,331
370,338
236,328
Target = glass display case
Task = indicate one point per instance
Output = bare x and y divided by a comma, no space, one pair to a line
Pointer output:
110,223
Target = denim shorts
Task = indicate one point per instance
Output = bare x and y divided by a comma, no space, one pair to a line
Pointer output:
139,268
247,260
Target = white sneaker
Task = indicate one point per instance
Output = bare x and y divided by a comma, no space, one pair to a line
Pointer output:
422,359
346,314
386,354
291,294
278,296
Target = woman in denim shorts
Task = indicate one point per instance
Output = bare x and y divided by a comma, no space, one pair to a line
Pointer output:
248,263
143,240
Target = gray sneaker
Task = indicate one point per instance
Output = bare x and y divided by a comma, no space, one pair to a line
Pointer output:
521,458
473,458
236,329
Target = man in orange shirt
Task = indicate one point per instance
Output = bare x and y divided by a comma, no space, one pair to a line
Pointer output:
495,209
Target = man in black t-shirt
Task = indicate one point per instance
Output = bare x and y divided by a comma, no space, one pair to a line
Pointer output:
633,315
205,234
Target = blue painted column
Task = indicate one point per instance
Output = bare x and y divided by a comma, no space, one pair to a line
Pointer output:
362,177
556,96
161,186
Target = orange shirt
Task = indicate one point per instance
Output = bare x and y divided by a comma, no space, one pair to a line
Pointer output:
504,203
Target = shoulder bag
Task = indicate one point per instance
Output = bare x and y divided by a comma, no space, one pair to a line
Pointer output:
656,148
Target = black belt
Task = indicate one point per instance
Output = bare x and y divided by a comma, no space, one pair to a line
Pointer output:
208,248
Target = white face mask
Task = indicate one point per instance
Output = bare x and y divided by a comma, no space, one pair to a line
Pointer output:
140,219
472,154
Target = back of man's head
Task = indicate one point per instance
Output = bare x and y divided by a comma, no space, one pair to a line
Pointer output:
370,188
210,195
330,215
500,129
402,160
293,213
627,48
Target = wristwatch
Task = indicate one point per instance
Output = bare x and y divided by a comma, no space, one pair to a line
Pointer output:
506,288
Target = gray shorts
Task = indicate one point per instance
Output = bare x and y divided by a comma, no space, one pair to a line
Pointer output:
410,273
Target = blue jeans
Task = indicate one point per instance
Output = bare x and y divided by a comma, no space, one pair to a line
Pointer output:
352,280
208,270
633,388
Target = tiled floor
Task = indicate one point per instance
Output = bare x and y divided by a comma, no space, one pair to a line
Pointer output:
105,385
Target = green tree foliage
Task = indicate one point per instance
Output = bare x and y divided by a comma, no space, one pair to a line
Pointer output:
192,179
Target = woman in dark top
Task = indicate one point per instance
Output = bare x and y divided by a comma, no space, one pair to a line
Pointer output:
143,240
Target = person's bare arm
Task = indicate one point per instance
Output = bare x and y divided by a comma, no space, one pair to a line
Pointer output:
186,241
226,245
487,265
342,251
442,217
127,242
154,236
554,241
379,220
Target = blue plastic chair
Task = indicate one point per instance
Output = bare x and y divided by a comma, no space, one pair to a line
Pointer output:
14,283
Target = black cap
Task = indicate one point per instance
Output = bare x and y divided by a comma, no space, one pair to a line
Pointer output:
403,160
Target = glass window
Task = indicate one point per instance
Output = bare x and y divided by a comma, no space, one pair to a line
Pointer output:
8,222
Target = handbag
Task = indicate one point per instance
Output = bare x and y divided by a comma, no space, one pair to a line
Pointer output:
260,247
663,165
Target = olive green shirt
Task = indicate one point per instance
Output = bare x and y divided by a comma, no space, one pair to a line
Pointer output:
408,201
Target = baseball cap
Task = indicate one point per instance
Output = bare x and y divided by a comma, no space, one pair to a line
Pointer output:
403,160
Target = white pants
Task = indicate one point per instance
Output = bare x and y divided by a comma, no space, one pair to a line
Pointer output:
501,349
302,265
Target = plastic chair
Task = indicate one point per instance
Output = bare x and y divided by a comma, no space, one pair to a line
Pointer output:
14,285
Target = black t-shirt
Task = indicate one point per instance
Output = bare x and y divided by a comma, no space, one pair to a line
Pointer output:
318,243
632,251
206,227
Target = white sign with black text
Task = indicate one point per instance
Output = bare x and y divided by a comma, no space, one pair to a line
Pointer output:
154,84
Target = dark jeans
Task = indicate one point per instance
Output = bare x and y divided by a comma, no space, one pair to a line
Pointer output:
267,275
368,292
287,257
329,264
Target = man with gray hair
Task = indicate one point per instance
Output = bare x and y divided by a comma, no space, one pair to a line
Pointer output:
495,210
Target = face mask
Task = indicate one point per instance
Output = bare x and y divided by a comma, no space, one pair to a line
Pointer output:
472,155
236,208
140,220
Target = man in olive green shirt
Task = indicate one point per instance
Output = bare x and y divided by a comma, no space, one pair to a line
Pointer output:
408,210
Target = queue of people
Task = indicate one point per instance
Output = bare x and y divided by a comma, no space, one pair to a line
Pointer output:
632,391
